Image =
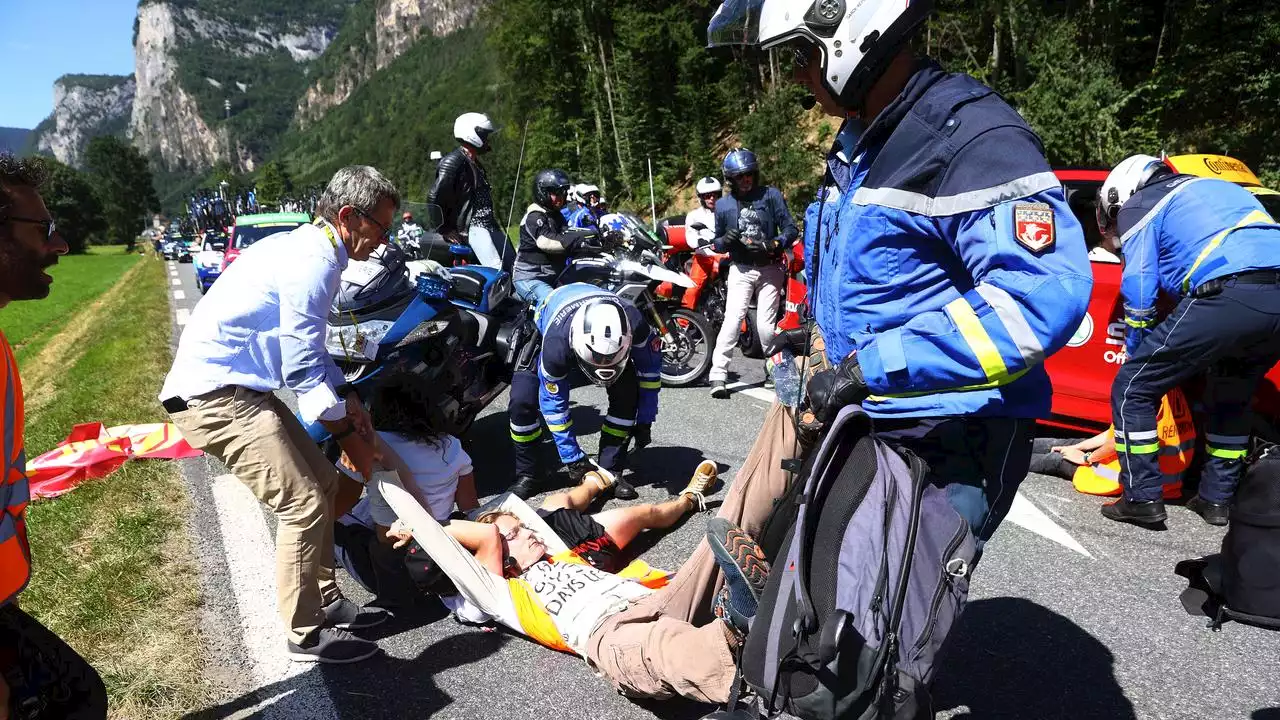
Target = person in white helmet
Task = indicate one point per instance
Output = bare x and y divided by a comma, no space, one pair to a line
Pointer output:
591,207
462,192
700,232
1211,244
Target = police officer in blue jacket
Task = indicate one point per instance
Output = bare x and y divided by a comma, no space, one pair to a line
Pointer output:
1211,244
950,265
586,331
591,207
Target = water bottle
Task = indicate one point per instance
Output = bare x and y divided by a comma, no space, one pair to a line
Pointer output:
786,378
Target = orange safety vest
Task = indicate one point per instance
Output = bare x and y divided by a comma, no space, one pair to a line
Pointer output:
1177,437
15,556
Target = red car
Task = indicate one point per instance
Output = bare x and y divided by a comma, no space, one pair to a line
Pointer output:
1082,371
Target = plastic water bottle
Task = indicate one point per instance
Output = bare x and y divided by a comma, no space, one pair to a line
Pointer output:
786,378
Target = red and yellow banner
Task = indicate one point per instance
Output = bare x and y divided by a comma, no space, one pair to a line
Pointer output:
92,451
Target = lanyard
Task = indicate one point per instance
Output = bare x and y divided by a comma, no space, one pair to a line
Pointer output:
328,231
359,338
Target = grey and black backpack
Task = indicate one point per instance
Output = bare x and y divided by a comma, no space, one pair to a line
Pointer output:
865,588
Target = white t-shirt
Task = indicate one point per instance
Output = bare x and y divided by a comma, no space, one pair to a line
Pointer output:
579,597
436,469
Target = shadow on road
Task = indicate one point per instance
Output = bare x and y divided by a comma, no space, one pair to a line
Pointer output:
1012,658
1266,714
416,695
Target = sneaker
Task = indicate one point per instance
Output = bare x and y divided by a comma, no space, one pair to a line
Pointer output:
346,615
768,375
703,478
333,646
719,391
745,570
525,487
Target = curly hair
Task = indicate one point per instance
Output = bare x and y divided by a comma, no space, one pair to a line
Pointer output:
18,172
405,404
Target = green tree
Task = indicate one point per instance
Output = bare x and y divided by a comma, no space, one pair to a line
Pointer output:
273,183
122,181
73,204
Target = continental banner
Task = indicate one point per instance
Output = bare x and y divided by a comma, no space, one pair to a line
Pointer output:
92,451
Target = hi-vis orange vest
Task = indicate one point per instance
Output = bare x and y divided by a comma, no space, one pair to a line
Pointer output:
1177,437
15,557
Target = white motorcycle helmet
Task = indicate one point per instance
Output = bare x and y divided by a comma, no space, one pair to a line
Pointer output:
600,336
1131,174
474,129
708,185
586,189
856,39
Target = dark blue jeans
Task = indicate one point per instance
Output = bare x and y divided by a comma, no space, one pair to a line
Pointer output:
980,462
1232,337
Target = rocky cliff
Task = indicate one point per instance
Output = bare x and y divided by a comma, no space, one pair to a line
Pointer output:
375,33
84,107
218,81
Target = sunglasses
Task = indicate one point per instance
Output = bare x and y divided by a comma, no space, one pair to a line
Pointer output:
511,535
50,227
708,196
386,231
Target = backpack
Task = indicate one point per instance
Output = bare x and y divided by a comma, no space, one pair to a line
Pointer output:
868,585
1242,582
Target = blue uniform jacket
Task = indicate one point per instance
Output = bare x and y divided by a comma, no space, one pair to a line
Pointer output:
557,361
1183,231
584,218
951,261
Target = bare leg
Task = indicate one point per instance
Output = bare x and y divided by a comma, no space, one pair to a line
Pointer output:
624,524
576,498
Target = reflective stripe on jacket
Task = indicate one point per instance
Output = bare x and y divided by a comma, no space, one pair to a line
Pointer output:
1174,441
15,556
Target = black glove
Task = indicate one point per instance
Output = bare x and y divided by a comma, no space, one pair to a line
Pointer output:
583,241
643,434
732,235
578,469
833,389
794,340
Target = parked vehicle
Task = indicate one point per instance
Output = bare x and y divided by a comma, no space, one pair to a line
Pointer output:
175,249
249,229
208,262
630,265
459,328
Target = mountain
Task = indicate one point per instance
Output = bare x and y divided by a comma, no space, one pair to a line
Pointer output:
84,107
13,140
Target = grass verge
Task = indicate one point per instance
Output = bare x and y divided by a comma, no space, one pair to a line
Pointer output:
113,573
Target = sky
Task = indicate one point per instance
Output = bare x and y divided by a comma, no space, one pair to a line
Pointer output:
42,40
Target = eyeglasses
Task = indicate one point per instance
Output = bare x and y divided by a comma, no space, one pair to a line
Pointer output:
50,228
386,231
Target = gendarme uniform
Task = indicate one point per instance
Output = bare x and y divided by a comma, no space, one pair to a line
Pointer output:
541,393
1210,243
952,264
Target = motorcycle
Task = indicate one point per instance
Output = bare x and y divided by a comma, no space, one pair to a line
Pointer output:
628,264
458,328
712,295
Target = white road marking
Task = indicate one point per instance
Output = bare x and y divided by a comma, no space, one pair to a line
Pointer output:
177,282
250,554
752,390
1026,515
181,316
179,295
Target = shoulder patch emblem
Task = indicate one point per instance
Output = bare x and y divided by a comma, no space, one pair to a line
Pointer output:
1033,226
553,388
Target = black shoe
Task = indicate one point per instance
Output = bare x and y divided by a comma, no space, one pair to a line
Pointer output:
525,487
331,645
1138,513
745,570
623,490
1213,513
719,391
346,615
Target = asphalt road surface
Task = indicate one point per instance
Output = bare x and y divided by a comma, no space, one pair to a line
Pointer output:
1070,615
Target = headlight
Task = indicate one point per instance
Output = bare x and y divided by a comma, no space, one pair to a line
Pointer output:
356,342
425,330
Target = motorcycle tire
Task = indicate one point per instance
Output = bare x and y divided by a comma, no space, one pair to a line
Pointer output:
693,338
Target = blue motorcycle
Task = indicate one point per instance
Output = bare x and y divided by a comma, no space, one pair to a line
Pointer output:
459,328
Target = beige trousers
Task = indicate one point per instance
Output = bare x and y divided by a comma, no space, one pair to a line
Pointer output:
743,283
265,446
669,643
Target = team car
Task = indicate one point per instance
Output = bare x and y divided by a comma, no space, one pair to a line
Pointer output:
208,262
249,229
1082,372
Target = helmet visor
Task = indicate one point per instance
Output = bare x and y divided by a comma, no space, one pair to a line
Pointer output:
605,369
736,22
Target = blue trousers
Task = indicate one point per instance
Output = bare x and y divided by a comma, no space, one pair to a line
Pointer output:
980,462
1234,339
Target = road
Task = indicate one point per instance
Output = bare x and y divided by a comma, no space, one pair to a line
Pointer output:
1070,616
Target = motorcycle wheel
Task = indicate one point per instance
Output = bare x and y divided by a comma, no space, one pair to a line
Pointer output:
687,359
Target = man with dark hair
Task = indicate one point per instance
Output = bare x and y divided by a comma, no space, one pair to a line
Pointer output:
37,669
262,327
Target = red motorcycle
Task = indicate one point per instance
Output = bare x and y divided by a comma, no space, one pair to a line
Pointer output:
709,293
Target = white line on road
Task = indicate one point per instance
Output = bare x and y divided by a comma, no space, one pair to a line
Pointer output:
250,554
177,282
1024,514
182,315
752,391
179,295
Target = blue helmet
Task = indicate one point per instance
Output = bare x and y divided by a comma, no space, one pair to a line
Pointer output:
739,162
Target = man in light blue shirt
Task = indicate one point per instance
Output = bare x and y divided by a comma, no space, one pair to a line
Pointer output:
261,328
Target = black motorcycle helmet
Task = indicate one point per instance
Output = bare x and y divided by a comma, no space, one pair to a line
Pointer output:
550,181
